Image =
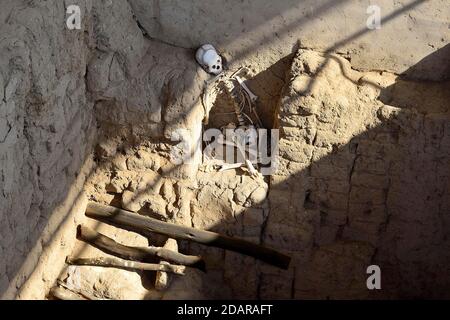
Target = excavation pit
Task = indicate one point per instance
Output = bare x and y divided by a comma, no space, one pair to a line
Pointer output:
99,115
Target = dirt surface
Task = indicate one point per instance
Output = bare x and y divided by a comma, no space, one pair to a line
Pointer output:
94,114
360,182
47,130
262,32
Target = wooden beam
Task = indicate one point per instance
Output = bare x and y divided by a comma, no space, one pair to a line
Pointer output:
143,254
108,262
146,226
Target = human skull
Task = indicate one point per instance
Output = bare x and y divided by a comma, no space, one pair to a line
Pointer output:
209,59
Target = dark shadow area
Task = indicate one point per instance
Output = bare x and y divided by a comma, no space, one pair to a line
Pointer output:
435,67
417,82
382,198
266,85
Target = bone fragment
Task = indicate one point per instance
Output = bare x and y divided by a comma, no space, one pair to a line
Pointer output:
252,96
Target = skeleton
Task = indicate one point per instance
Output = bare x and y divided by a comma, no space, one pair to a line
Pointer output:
242,99
209,59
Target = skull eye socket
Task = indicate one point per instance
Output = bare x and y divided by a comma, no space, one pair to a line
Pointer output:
214,66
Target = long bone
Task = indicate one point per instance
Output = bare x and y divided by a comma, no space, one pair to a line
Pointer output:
252,96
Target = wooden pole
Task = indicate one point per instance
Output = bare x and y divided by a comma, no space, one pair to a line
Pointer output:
125,264
143,254
146,226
